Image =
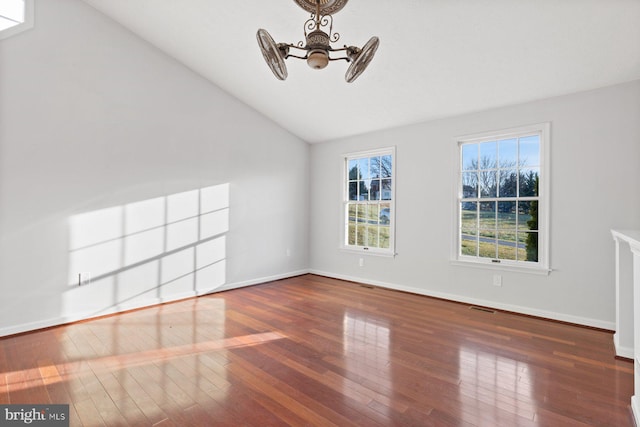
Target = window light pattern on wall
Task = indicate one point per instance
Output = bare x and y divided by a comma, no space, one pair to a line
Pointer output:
152,250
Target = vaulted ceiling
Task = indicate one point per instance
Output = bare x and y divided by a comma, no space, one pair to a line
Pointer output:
437,58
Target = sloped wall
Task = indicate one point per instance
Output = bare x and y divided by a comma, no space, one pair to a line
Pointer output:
122,166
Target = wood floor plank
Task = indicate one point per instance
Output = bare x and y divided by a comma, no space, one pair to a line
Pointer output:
317,351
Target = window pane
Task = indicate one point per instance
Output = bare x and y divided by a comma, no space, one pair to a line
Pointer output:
468,246
352,208
374,193
531,246
351,223
529,182
386,166
361,214
487,216
373,212
507,246
353,191
353,170
363,189
351,238
363,168
469,232
488,155
361,234
507,215
528,215
469,157
488,187
384,237
374,167
508,183
488,247
469,185
385,213
508,153
468,214
530,151
386,189
372,236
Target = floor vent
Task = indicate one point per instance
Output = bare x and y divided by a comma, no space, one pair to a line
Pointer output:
486,310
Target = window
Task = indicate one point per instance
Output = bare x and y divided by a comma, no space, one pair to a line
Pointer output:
369,195
15,16
502,201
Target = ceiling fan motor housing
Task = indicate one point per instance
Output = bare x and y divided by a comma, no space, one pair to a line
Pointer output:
318,49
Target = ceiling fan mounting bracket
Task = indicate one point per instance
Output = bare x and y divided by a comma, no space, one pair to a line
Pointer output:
327,7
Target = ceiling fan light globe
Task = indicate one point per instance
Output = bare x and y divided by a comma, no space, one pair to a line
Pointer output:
318,59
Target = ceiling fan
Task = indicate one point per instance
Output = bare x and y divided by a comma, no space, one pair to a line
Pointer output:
317,50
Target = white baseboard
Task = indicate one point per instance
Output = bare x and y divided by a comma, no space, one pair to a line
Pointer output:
561,317
257,281
622,351
75,317
635,408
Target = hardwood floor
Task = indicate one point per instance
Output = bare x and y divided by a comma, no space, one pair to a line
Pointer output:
313,351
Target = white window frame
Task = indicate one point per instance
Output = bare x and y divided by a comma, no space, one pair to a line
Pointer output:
542,265
345,203
24,25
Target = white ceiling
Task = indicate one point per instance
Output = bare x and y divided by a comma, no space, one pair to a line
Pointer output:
437,58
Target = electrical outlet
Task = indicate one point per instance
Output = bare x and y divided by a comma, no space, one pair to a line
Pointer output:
497,280
84,278
288,252
361,262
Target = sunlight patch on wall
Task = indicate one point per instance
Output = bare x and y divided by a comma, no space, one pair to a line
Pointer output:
152,250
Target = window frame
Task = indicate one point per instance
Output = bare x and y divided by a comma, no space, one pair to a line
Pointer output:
345,203
24,25
542,266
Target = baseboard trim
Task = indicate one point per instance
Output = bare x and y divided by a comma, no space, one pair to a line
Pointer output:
258,281
635,409
120,308
528,311
622,351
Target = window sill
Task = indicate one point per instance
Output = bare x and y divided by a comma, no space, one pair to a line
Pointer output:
362,251
541,271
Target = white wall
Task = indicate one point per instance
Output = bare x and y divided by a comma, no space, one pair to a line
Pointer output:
595,150
100,136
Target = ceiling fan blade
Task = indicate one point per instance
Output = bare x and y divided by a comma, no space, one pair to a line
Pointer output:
273,56
362,59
